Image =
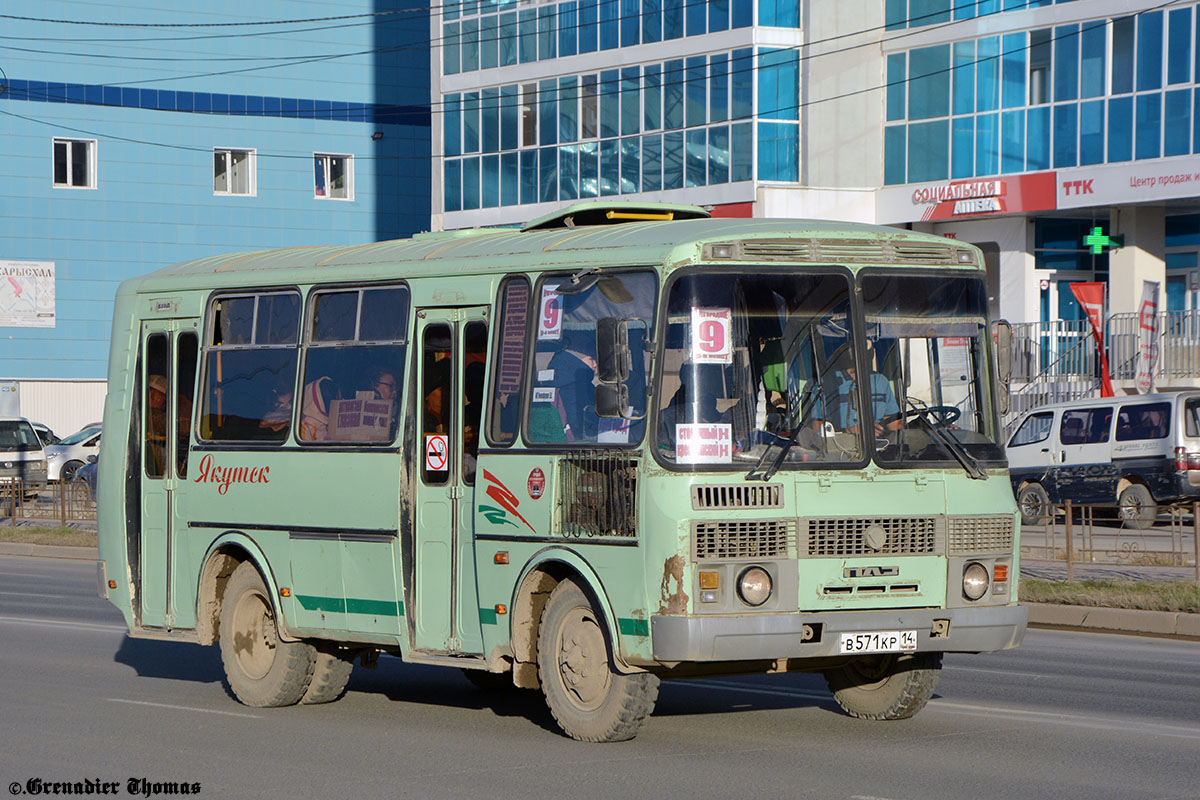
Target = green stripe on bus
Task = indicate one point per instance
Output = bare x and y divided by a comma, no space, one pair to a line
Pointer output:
633,627
487,616
353,605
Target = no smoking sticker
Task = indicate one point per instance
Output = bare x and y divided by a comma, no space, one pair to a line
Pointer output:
437,449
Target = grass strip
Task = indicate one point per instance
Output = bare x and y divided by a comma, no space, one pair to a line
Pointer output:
1114,593
37,534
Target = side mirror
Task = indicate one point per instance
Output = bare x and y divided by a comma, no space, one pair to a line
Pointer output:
612,400
1004,362
92,458
613,358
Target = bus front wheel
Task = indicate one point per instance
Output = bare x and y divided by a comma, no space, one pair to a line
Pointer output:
885,686
262,669
590,701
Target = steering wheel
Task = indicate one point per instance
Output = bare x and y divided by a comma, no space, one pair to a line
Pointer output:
942,415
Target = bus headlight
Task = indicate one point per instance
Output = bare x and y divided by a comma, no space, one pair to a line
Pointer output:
754,586
975,581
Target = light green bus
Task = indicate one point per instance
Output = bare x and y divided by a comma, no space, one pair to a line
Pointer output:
619,444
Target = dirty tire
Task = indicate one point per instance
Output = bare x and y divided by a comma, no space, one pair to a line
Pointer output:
885,686
1034,504
331,673
590,701
486,681
1136,507
261,670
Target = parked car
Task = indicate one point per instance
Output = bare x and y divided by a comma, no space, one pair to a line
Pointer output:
86,476
45,434
71,453
1138,451
22,457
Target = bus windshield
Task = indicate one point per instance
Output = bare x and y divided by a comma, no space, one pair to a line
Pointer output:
925,337
752,362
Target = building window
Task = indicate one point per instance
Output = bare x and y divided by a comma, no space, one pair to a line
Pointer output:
75,163
334,176
233,171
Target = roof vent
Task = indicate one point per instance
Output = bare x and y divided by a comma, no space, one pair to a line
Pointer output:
609,213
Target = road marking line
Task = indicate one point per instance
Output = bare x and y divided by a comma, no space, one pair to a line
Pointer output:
87,626
999,672
1073,720
181,708
37,594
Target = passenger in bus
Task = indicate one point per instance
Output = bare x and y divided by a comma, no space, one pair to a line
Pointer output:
574,371
382,382
156,421
314,409
696,399
437,394
280,416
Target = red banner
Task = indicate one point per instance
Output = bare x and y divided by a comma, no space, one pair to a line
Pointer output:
1091,297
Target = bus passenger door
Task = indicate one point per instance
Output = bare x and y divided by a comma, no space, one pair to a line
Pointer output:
452,347
170,351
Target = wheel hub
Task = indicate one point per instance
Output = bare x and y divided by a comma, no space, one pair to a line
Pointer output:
583,661
254,636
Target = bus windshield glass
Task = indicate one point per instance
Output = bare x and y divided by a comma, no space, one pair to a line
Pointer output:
752,363
926,336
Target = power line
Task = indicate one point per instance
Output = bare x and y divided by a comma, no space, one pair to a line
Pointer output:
518,100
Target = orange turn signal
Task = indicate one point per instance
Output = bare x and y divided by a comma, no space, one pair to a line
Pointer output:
501,609
710,580
999,573
285,591
501,557
112,584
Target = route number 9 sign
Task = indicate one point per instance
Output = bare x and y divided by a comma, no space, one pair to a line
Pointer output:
712,336
550,315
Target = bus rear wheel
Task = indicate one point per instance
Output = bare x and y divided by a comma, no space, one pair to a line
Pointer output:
885,686
262,670
590,701
331,673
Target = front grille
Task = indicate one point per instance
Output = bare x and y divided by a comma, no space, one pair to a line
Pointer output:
857,536
737,495
762,538
990,534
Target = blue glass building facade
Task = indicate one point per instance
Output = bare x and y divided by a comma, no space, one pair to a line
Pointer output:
556,102
134,138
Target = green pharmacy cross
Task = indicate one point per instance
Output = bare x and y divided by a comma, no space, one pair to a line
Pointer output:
1098,241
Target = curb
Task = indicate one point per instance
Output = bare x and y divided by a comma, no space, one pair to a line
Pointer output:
49,551
1114,620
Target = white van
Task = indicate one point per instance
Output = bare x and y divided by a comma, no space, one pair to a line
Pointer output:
1139,451
21,455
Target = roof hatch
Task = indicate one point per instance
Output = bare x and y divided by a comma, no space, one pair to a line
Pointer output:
610,213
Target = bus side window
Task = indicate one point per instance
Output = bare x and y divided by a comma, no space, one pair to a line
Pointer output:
508,373
436,357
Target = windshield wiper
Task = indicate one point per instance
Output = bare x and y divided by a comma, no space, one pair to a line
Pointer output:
955,448
805,408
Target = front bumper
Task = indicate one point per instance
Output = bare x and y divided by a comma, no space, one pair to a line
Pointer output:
745,637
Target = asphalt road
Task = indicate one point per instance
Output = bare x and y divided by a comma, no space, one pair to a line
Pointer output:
1068,715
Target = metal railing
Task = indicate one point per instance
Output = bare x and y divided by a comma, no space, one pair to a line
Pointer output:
59,502
1096,535
1056,361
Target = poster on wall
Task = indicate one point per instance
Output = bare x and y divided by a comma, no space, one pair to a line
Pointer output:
26,294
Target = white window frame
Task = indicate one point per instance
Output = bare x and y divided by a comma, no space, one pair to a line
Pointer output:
349,176
93,150
252,178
